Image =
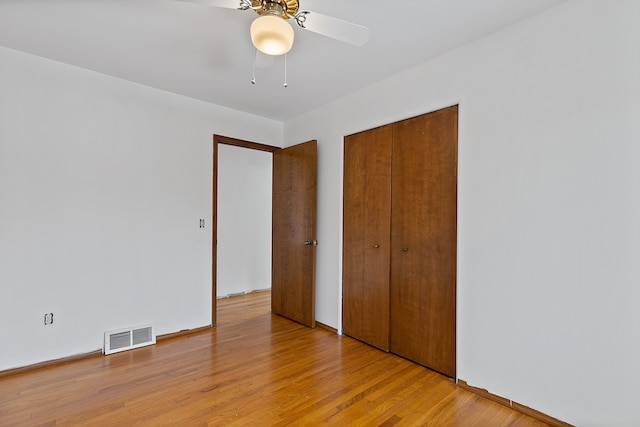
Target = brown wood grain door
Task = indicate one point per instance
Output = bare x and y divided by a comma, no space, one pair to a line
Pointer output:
293,287
366,231
423,240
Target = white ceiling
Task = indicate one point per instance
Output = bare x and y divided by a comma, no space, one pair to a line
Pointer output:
205,52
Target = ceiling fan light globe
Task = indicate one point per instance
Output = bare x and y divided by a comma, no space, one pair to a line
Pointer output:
272,35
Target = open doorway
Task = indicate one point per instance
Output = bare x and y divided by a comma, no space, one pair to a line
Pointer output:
242,217
244,221
293,228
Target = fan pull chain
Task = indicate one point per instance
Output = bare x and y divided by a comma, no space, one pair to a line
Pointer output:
253,78
253,75
285,71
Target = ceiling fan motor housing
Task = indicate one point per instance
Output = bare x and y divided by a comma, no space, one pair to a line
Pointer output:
283,8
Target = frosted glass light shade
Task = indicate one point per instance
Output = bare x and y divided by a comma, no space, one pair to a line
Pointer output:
272,35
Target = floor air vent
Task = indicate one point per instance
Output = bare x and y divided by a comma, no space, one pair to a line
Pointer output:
128,338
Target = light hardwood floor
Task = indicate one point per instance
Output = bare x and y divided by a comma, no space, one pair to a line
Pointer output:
255,369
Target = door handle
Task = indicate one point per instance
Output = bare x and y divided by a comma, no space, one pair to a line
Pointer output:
311,243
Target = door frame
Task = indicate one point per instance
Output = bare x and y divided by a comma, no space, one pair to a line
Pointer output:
220,139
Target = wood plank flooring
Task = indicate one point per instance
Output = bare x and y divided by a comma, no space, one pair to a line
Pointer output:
255,369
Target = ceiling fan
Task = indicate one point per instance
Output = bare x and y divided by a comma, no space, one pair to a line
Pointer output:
271,32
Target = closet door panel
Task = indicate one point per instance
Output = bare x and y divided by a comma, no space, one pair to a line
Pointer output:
353,235
367,216
423,240
407,239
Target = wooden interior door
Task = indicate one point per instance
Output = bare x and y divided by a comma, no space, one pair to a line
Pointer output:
423,240
293,287
367,216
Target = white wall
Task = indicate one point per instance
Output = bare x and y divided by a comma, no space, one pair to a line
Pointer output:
244,220
549,236
102,185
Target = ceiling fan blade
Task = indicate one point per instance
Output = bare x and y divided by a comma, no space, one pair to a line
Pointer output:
335,28
227,4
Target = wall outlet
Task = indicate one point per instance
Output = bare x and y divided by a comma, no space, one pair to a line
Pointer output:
48,318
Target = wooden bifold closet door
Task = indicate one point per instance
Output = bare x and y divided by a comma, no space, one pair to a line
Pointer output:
399,266
367,228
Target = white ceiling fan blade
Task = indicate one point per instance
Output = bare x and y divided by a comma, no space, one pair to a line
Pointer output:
335,28
227,4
